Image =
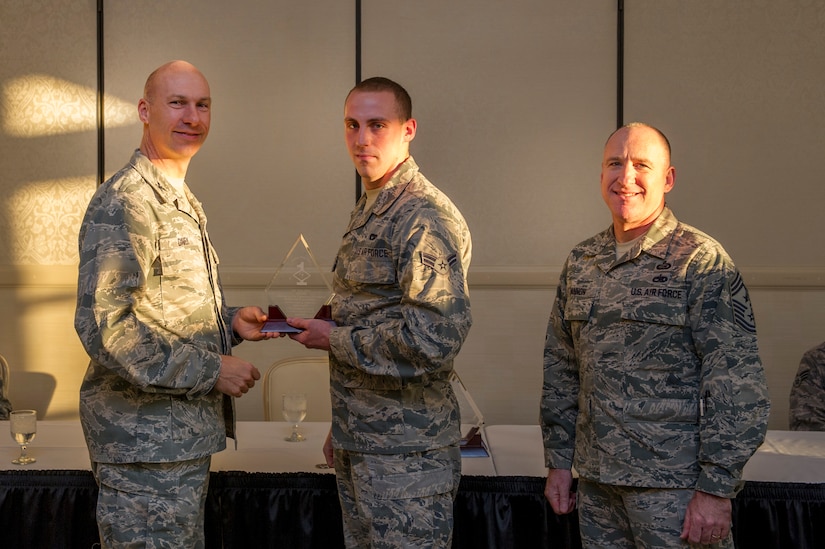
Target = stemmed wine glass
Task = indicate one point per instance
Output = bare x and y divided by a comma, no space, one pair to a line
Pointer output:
295,410
23,425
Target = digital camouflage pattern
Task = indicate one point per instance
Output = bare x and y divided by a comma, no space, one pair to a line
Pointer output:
652,376
5,405
646,518
152,318
152,505
5,408
403,311
402,501
807,402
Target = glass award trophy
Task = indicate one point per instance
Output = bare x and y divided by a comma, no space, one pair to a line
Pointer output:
298,289
472,444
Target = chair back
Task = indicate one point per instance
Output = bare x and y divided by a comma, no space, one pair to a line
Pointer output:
33,391
308,374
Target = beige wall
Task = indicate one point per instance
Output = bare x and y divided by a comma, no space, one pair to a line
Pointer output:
513,100
500,363
47,174
737,86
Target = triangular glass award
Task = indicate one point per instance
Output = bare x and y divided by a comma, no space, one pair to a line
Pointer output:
298,289
472,443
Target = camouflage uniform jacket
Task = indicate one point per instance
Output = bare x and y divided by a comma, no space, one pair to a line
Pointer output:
5,405
403,311
651,367
807,403
151,316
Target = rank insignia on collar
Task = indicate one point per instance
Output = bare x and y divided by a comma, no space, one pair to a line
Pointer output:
439,264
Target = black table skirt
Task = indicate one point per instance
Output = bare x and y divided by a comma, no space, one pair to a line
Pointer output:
55,509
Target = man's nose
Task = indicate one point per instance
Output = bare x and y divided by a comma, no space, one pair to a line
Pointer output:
628,174
191,114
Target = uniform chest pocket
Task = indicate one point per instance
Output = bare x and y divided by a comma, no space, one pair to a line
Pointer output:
656,305
180,254
370,270
578,308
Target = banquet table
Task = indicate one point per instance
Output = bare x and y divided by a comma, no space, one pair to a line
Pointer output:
261,448
782,503
271,493
785,456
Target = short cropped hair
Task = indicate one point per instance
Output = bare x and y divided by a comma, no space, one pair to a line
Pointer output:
403,101
659,132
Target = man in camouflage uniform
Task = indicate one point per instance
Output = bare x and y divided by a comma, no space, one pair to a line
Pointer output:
653,387
156,400
402,311
5,405
807,404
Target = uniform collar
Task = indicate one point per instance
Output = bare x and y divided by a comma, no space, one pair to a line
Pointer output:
164,190
393,188
153,176
656,241
390,192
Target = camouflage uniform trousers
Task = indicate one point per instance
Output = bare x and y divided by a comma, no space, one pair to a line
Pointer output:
614,517
152,505
398,500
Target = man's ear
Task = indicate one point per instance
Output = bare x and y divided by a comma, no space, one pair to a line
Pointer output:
670,179
143,110
409,129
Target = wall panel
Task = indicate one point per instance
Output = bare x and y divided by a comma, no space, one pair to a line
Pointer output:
274,164
47,174
513,102
737,87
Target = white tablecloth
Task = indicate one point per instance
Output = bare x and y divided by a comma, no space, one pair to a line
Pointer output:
789,456
786,456
515,450
57,445
261,449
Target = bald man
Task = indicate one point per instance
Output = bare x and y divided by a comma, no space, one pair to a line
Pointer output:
157,398
653,387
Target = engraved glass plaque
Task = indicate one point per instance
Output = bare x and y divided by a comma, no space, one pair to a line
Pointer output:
472,443
298,289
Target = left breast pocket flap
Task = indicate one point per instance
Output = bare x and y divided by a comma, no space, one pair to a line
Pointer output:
578,308
179,254
656,305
